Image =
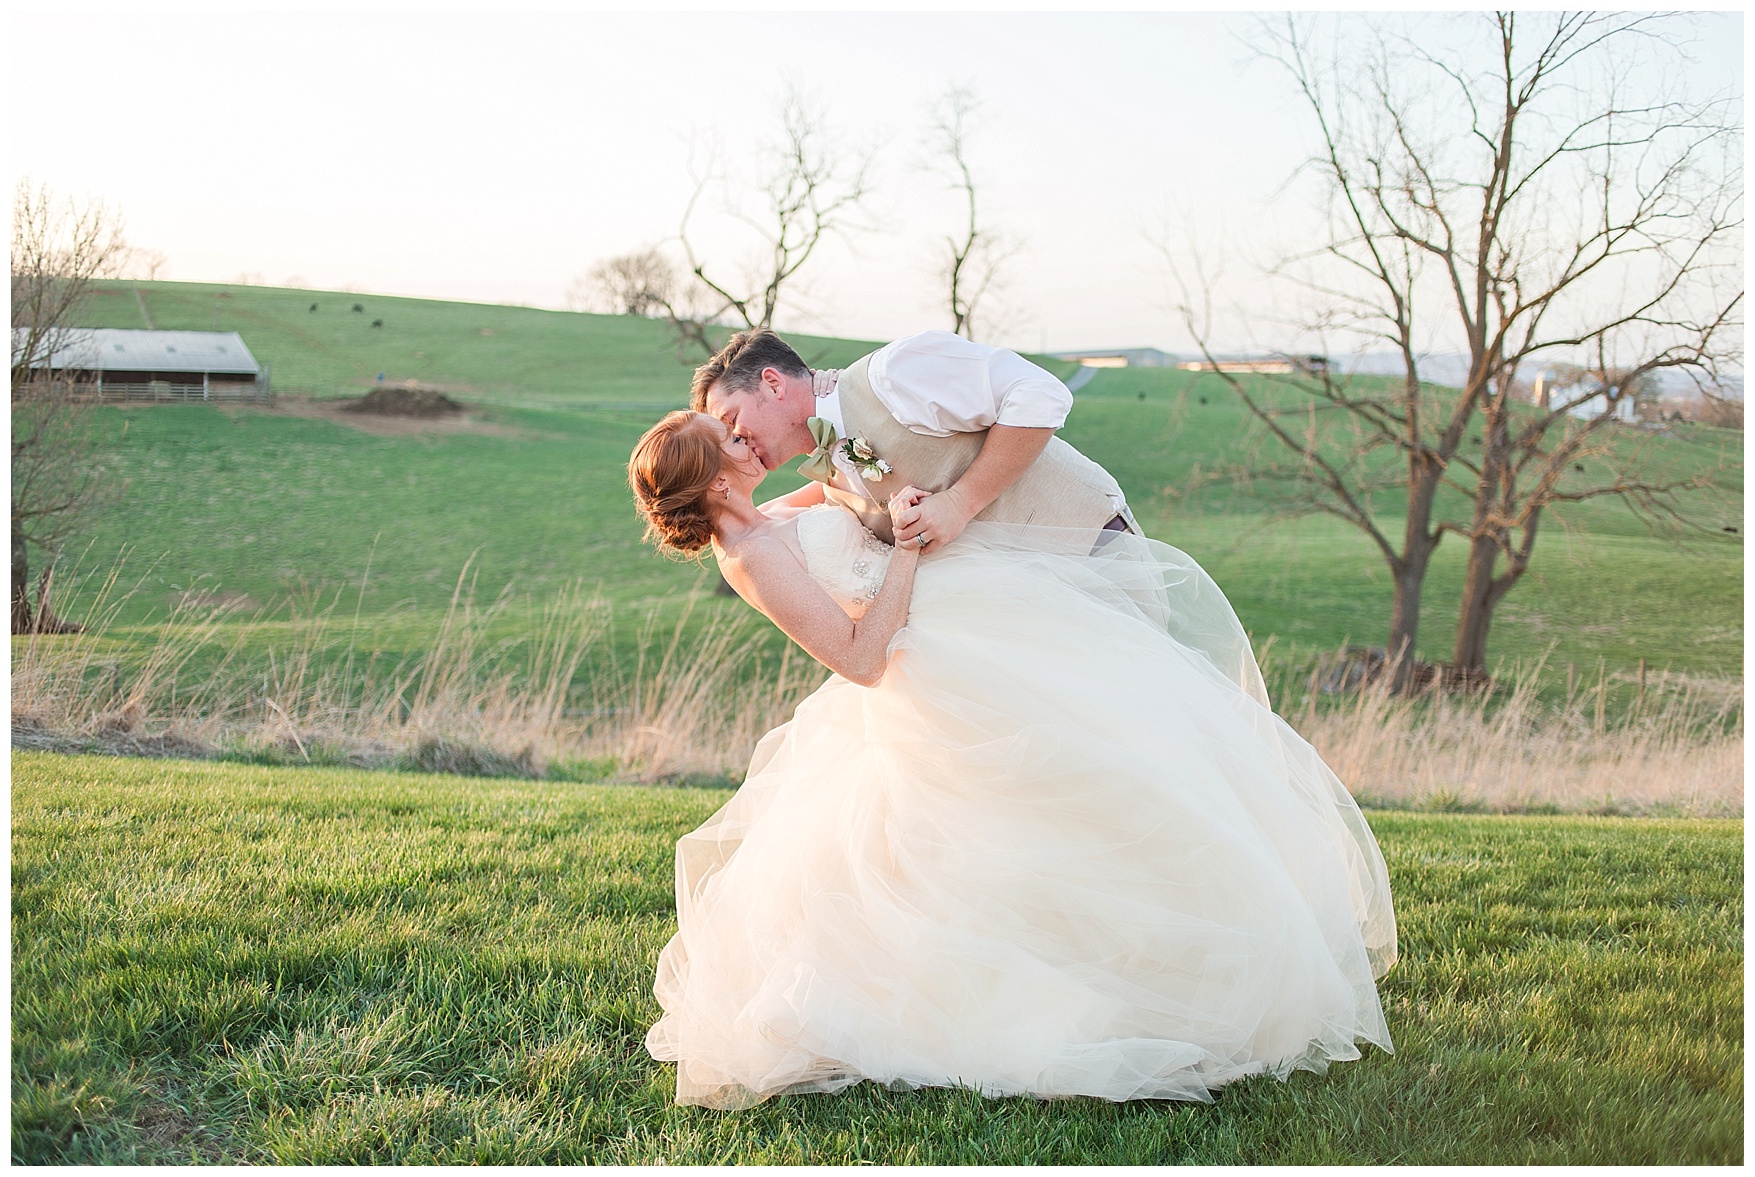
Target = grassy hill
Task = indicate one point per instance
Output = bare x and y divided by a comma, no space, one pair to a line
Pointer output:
264,504
489,354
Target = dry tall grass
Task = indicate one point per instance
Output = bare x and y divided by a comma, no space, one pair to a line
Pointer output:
1677,749
698,695
303,689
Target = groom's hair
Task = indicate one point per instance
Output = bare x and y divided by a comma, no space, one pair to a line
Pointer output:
740,362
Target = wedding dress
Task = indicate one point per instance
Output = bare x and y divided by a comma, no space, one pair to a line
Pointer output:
1063,848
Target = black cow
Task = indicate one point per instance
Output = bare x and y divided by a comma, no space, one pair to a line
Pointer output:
377,322
358,309
313,308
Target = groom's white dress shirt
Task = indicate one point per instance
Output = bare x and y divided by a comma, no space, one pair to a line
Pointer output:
937,383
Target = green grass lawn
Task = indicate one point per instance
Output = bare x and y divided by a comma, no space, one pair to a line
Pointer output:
229,963
273,506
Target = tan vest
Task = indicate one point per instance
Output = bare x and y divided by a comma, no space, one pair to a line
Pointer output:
1062,488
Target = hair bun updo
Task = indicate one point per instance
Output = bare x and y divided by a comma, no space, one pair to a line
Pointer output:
672,469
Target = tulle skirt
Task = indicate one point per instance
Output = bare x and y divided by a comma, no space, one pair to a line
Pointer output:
1063,848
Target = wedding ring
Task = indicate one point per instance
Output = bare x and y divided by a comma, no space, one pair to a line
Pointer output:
923,540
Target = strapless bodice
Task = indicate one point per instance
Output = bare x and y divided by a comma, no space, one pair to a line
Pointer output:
842,556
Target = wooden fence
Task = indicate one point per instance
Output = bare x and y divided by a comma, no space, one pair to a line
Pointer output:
164,390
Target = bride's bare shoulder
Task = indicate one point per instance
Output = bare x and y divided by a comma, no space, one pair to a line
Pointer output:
775,543
755,564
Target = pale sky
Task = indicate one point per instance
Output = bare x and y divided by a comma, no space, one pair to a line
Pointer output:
495,157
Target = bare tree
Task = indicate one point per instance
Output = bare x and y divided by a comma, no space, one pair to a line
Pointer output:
812,188
971,259
641,283
58,250
1532,460
1516,195
149,265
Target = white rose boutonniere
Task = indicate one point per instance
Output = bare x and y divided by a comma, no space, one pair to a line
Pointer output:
864,459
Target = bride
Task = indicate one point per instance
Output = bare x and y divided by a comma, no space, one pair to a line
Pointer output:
1040,834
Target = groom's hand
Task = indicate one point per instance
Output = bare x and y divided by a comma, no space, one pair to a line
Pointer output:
1006,452
904,503
941,518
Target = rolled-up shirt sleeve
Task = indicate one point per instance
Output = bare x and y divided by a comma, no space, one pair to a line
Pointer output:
939,383
1028,394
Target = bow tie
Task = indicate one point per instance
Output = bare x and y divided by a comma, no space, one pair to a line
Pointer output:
820,464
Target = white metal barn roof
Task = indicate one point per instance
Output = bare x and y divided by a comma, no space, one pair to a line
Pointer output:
108,349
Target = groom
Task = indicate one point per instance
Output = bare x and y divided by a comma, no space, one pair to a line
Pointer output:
971,423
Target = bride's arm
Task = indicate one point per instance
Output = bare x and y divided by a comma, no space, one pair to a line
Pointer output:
767,574
792,502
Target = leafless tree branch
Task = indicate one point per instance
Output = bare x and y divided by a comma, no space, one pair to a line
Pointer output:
1536,190
59,249
813,188
972,258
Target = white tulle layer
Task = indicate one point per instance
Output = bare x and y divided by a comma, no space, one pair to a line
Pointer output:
1064,848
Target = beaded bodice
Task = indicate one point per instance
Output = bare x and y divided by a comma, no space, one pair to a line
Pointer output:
842,556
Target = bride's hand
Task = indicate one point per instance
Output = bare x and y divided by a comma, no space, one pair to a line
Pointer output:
907,497
904,501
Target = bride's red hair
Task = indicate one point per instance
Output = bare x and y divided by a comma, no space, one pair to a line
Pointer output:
672,468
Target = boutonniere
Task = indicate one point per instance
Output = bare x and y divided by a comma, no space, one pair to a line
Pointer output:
864,459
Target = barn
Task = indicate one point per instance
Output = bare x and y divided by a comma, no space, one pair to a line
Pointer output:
1119,357
121,364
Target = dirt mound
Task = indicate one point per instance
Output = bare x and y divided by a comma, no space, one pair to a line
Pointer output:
404,401
341,412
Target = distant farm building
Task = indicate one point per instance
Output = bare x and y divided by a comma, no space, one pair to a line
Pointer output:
1598,404
1151,357
117,364
1262,365
1119,357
